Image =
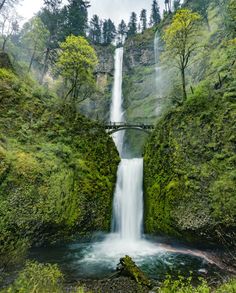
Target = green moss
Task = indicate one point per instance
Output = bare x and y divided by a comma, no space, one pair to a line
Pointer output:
57,171
40,278
127,267
189,168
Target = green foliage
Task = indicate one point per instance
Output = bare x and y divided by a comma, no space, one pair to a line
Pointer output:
108,32
228,287
189,163
57,171
76,15
76,63
155,13
132,25
182,285
181,38
95,30
37,278
128,268
35,36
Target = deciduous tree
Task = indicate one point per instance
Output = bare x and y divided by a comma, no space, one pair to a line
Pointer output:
9,25
181,38
35,36
76,64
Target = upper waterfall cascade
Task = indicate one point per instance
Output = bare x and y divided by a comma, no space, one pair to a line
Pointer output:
116,111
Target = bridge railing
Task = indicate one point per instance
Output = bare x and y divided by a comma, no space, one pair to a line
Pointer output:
113,125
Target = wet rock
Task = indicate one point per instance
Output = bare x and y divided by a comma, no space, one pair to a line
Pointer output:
114,285
5,61
128,268
202,271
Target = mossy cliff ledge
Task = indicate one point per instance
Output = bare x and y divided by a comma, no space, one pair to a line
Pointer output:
190,169
57,168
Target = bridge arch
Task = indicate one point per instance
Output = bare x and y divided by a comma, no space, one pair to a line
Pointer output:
113,127
128,128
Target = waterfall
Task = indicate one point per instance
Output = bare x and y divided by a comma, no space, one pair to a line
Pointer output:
158,73
116,111
128,198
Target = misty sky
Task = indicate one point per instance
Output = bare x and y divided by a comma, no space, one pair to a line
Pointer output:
114,9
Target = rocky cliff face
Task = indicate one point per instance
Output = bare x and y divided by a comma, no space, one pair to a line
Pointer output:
190,164
57,170
98,106
139,76
139,51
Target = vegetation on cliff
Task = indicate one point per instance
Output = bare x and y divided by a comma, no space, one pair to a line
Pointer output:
57,169
190,162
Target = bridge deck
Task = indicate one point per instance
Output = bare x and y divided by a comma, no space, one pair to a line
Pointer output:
125,125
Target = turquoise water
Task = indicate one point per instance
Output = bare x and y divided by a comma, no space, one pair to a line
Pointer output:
97,258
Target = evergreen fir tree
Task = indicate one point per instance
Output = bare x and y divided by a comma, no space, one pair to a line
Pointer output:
155,14
95,30
109,32
132,26
122,31
76,17
143,20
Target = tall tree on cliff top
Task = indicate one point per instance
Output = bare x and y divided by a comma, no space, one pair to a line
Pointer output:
122,31
181,38
155,14
132,26
109,32
50,15
95,30
143,20
76,14
168,5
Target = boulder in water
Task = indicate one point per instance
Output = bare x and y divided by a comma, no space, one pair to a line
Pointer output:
128,268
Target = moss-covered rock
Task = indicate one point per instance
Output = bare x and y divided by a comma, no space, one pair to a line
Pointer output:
128,268
57,169
189,169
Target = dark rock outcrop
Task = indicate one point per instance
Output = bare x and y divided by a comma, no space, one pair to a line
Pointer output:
5,61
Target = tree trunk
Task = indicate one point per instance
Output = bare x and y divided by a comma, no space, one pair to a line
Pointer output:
183,84
4,45
170,4
32,59
45,65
